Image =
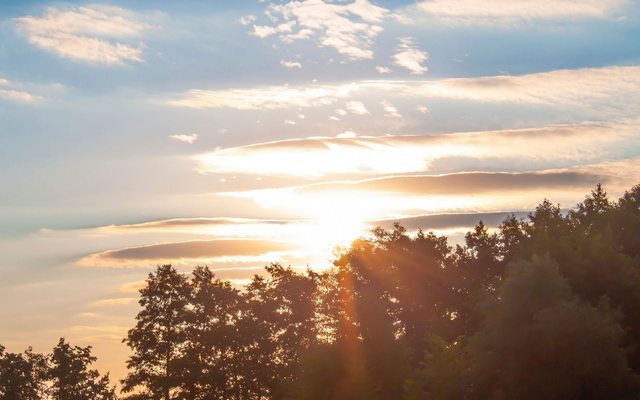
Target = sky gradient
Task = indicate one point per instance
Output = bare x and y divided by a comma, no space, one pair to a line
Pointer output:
234,134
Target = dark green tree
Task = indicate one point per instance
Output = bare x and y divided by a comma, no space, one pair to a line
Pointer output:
210,360
158,339
71,376
22,375
539,341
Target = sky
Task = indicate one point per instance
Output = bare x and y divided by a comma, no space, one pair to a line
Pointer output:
238,133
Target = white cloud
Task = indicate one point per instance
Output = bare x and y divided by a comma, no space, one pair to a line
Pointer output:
356,107
289,122
383,70
89,34
265,31
270,97
410,57
510,12
390,110
185,138
348,27
247,19
10,91
423,109
602,92
290,64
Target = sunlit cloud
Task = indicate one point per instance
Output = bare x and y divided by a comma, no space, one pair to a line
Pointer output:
186,138
383,70
390,110
218,251
290,64
12,91
410,57
510,12
462,183
356,107
89,34
613,90
548,147
347,27
118,301
401,196
271,97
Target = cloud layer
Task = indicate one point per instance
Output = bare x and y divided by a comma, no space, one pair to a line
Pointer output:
549,147
511,12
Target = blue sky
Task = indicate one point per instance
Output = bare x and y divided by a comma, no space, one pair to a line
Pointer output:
136,133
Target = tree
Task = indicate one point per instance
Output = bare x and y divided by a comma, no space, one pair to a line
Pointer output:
71,377
210,361
443,375
158,339
22,375
539,341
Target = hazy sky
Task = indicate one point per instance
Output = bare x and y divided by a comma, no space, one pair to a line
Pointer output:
236,133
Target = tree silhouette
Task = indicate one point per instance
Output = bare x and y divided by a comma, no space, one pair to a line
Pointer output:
71,377
22,375
158,338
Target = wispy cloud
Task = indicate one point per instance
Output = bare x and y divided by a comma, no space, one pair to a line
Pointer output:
290,64
510,12
447,193
186,138
356,107
261,98
410,57
614,89
549,147
89,34
12,92
219,251
390,110
348,27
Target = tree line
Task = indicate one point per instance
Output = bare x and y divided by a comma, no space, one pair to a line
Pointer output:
542,308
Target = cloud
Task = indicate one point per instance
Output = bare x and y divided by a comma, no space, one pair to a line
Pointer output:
579,87
219,251
448,193
549,147
390,110
9,91
410,57
466,183
89,34
613,90
448,221
185,138
510,12
247,19
290,64
120,301
356,107
264,98
383,70
347,27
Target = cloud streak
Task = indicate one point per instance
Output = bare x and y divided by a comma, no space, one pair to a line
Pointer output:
549,147
207,251
608,90
510,12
